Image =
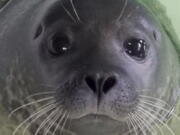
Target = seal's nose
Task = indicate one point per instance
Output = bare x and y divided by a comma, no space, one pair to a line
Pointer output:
100,84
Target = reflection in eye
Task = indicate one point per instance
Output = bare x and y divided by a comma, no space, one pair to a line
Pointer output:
59,45
136,48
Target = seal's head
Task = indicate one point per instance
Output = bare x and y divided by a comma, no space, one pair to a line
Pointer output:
109,62
104,57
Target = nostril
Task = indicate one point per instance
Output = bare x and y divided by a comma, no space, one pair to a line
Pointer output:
91,83
100,84
108,84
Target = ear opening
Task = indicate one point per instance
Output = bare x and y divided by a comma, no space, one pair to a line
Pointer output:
38,32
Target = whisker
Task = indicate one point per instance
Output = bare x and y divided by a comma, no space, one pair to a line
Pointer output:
28,104
69,125
156,99
135,122
65,121
129,127
59,123
123,10
40,93
68,128
157,104
68,13
53,122
155,117
134,126
139,122
49,86
131,13
148,125
47,109
142,122
37,117
75,11
156,125
163,109
44,122
143,90
156,109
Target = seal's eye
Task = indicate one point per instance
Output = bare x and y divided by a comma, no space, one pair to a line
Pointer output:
59,45
136,48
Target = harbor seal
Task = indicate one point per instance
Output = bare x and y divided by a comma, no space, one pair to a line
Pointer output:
86,67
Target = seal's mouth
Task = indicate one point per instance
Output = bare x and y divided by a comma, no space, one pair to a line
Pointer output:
90,122
96,118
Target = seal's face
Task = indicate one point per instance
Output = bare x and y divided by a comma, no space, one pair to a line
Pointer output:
101,56
98,57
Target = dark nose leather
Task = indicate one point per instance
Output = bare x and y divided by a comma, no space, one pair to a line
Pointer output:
100,84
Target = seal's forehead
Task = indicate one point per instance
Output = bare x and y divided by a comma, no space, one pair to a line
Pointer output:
85,9
96,10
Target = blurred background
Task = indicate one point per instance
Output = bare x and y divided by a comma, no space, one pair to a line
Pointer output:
173,11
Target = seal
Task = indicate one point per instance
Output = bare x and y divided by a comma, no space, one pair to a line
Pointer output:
86,67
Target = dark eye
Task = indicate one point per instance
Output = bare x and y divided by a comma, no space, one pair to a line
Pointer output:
59,45
136,48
